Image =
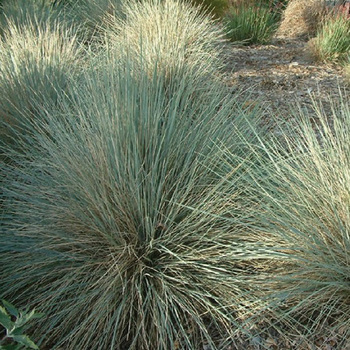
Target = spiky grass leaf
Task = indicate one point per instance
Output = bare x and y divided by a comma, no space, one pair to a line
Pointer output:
5,318
10,308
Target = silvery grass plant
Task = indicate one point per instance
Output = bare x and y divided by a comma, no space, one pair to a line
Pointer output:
24,12
171,36
88,16
303,182
36,66
84,16
114,223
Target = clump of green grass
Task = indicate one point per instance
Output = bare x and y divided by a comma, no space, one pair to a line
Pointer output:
332,42
304,215
169,36
113,221
251,23
36,65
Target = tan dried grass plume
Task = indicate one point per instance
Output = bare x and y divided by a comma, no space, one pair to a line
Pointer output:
347,74
302,18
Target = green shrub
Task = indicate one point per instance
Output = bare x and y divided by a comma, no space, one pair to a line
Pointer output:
332,42
14,323
169,36
36,65
304,214
113,221
251,24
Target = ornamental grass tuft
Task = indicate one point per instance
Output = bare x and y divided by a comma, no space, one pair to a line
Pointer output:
251,23
171,36
24,12
36,65
301,19
303,180
332,42
114,223
87,17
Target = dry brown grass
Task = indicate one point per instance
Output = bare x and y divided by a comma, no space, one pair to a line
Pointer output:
302,18
347,74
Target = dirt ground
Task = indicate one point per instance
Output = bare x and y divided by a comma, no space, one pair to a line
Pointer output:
281,75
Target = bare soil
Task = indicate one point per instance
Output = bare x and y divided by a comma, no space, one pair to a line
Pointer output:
282,75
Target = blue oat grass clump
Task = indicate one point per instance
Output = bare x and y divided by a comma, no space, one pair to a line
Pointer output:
36,66
116,222
172,37
303,214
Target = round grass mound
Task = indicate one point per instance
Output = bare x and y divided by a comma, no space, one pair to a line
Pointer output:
118,225
304,211
36,65
169,36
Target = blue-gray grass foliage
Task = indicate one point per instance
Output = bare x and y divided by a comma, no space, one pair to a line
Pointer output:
171,36
113,222
302,189
36,66
23,12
